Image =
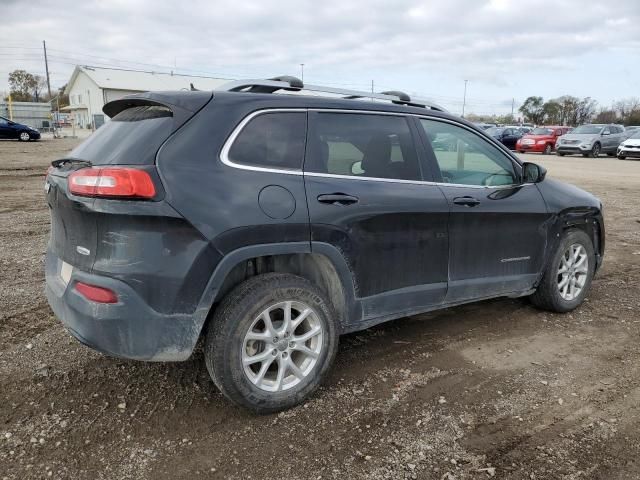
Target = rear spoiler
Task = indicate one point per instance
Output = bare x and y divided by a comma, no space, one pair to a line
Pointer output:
183,104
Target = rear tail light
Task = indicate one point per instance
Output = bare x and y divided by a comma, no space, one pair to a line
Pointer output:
96,294
112,182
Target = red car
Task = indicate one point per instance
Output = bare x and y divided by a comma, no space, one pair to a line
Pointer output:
541,139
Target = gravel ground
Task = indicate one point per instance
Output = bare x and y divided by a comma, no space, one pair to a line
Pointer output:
496,389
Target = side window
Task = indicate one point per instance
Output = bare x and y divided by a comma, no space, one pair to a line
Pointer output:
3,121
606,131
469,160
364,145
272,140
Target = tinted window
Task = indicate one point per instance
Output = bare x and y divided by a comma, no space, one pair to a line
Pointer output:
272,140
3,121
378,146
468,158
133,136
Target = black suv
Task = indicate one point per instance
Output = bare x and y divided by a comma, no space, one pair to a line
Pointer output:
272,223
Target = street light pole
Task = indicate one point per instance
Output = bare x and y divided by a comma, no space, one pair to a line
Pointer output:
302,72
464,98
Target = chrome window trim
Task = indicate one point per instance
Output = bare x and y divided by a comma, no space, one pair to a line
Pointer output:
224,153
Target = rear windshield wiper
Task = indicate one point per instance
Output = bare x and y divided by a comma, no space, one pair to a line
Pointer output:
70,161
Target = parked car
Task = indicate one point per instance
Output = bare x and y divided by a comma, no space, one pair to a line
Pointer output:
591,140
541,139
630,130
523,129
506,135
485,126
271,224
630,147
14,130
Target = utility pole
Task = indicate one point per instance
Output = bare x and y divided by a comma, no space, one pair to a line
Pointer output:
371,86
513,104
302,72
464,99
46,67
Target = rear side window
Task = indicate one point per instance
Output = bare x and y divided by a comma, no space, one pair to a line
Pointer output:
362,145
272,140
132,137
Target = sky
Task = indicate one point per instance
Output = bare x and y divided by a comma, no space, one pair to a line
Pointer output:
507,50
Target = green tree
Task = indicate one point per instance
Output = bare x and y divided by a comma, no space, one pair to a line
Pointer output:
22,84
533,110
552,112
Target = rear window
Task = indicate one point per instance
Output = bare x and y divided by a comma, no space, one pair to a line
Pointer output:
272,140
132,137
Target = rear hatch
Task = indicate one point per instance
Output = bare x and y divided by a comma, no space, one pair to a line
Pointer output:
139,126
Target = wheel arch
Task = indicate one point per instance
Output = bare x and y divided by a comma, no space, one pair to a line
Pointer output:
321,264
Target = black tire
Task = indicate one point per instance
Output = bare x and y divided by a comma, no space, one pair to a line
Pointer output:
611,154
560,154
547,296
235,316
547,149
621,157
595,150
520,151
24,136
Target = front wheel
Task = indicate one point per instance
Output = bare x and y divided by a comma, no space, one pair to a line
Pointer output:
622,157
560,154
595,150
24,136
271,341
568,274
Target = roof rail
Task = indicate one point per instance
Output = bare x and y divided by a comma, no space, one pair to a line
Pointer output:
289,83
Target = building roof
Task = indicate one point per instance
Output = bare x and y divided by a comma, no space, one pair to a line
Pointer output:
134,80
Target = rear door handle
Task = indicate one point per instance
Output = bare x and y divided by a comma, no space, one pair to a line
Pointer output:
337,199
466,201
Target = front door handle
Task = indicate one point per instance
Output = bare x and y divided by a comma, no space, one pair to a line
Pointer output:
466,201
337,199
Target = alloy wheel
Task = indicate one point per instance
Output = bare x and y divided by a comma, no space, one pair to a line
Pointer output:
282,346
573,271
24,136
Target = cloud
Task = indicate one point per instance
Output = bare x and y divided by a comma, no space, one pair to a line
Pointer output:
485,41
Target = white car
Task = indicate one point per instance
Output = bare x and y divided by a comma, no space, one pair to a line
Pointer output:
630,147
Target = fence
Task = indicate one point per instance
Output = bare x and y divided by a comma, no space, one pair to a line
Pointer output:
37,115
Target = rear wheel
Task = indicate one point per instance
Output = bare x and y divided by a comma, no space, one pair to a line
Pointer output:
24,136
271,341
547,149
568,274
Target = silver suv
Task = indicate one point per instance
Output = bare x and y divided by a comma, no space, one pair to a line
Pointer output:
591,140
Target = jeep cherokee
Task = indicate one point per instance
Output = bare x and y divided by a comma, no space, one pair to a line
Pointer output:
269,224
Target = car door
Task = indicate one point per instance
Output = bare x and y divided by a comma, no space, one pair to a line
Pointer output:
510,137
497,226
367,201
5,128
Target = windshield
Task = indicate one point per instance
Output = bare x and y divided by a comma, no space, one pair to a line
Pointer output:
635,134
587,129
542,131
494,131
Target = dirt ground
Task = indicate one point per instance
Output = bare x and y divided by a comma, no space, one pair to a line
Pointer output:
496,389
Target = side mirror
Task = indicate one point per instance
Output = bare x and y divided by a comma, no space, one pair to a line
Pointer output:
606,133
356,168
533,173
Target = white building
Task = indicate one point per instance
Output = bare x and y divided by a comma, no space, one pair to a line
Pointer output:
91,87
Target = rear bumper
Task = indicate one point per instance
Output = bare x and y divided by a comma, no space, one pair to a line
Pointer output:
127,329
